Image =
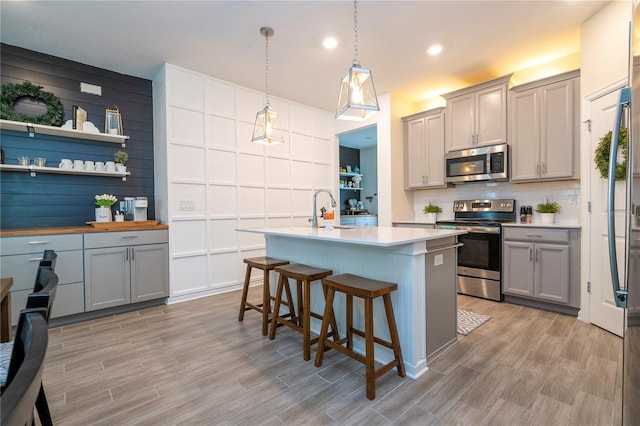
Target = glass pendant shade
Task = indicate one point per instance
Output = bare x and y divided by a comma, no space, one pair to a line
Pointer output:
265,129
357,99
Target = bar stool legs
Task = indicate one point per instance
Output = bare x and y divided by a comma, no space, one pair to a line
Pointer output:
304,276
368,290
266,264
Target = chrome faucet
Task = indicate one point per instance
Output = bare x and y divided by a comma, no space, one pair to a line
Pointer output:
314,219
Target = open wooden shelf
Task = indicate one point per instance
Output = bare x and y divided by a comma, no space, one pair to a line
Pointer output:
55,170
59,131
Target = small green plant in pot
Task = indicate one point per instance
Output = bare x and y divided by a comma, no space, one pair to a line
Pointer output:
121,159
547,211
431,211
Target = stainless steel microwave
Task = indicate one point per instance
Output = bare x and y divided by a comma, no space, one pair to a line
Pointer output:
487,163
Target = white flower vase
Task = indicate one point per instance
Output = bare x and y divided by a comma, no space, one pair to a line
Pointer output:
103,214
431,217
547,218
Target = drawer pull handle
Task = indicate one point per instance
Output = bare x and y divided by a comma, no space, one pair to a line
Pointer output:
130,236
39,242
35,259
534,235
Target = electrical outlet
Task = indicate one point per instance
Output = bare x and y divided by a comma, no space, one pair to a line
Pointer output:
438,260
187,206
573,201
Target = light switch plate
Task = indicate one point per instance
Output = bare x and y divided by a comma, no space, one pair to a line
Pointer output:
438,260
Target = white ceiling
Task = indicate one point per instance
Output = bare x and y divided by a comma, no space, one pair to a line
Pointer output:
482,40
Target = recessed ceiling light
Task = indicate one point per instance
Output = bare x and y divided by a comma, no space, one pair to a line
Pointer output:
329,43
434,50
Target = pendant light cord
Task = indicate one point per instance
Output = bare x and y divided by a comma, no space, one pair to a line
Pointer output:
355,30
266,73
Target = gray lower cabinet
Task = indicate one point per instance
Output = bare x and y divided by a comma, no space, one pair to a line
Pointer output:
20,257
125,267
542,264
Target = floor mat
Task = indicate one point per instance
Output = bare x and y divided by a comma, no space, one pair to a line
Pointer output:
469,321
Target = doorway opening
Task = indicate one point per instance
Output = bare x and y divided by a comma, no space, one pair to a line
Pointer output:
358,179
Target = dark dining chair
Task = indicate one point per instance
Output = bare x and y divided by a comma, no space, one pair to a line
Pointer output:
49,258
24,378
47,284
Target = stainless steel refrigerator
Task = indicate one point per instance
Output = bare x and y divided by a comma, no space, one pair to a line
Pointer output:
626,282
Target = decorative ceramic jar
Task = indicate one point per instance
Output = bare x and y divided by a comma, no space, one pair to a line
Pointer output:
103,214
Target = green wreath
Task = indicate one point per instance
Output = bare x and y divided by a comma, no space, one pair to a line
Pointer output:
12,92
602,155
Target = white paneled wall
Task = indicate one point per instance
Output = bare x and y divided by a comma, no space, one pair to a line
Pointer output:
217,180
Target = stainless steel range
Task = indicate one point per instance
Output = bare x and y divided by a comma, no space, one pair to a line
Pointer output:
480,256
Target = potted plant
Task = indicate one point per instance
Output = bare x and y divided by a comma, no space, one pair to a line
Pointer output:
121,159
104,203
547,211
431,211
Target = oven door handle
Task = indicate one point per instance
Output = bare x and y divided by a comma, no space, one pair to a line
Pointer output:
444,248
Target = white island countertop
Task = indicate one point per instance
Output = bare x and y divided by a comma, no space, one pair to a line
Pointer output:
363,235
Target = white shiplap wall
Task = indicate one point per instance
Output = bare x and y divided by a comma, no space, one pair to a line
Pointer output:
210,179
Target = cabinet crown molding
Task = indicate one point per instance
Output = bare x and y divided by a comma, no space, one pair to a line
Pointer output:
545,81
465,90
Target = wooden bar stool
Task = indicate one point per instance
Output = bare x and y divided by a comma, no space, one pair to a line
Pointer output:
304,275
367,289
266,264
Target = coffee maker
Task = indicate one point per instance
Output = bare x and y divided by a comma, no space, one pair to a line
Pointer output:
135,208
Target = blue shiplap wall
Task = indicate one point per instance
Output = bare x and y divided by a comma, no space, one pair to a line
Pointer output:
67,200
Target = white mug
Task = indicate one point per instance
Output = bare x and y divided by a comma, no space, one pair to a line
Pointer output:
89,165
110,166
121,168
99,166
78,164
65,163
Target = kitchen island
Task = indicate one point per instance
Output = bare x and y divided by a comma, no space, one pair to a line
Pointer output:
421,261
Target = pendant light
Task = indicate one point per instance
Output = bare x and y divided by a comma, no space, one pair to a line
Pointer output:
357,100
265,130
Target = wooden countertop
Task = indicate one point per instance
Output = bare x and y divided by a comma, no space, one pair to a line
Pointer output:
110,227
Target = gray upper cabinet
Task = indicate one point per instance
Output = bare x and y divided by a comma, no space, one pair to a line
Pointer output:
477,115
543,129
424,149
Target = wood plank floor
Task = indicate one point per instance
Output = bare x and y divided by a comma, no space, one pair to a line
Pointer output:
193,363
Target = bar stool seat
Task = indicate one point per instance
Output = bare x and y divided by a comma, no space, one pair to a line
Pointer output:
266,264
367,289
304,275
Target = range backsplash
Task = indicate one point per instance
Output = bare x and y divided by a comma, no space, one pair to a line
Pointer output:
565,193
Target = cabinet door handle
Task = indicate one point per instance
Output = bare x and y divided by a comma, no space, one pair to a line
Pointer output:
537,255
544,169
538,169
35,259
39,242
133,256
126,254
530,254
